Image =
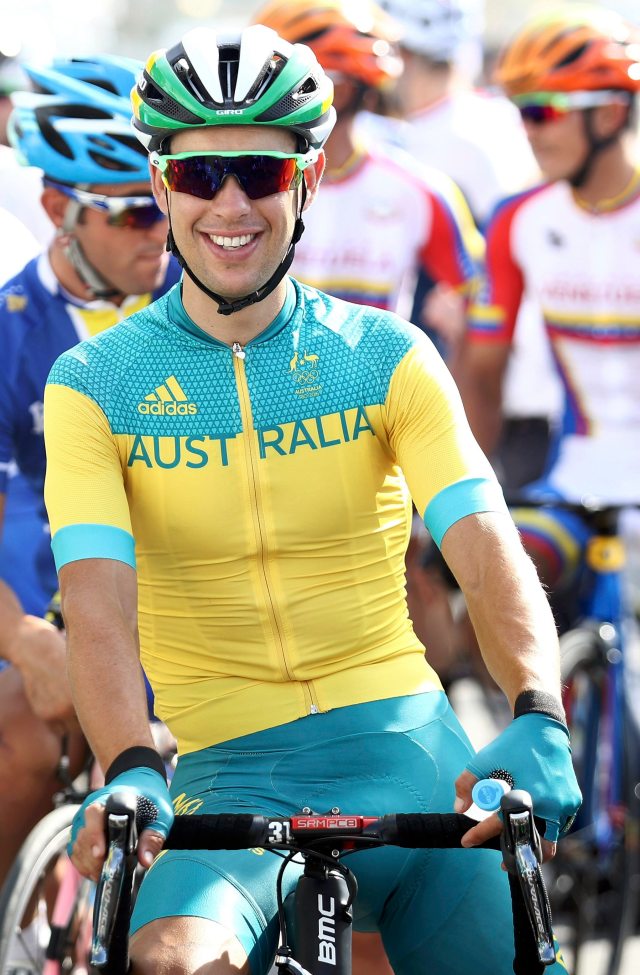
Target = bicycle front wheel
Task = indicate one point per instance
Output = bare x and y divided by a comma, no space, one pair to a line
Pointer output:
594,876
30,933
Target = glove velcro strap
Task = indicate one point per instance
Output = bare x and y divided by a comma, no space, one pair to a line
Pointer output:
137,757
539,702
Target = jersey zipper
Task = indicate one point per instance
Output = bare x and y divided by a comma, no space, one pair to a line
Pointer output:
239,355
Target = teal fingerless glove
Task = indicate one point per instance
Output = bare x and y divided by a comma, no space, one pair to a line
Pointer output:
535,750
142,781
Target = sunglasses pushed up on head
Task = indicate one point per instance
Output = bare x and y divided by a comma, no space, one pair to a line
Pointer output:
259,174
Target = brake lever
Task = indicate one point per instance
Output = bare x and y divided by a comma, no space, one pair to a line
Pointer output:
522,855
116,877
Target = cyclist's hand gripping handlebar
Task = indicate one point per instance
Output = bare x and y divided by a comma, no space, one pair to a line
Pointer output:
124,818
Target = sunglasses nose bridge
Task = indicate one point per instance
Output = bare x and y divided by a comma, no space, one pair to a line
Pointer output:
230,189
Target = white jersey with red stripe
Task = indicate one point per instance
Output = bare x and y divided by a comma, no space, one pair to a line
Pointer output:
376,222
477,139
581,269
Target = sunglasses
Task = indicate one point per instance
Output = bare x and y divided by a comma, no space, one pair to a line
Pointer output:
259,174
132,212
539,108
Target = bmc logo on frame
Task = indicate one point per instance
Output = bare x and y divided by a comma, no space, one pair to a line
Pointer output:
327,931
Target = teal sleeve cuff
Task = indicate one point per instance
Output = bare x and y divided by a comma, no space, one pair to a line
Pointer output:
76,542
468,497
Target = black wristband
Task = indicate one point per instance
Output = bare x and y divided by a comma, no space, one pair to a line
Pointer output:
137,757
539,702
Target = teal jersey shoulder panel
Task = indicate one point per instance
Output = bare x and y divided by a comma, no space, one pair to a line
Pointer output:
151,376
333,356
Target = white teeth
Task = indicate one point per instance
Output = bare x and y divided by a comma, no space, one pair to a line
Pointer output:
231,242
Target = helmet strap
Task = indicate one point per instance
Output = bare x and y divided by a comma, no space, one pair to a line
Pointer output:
596,147
226,307
88,274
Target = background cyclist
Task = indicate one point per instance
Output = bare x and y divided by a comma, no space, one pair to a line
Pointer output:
571,245
296,653
381,217
106,260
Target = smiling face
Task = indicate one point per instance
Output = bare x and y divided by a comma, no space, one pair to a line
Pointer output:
231,243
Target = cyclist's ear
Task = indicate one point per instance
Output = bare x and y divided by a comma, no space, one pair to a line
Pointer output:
312,176
158,189
54,203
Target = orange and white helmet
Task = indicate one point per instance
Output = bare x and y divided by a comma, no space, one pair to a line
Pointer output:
576,48
352,38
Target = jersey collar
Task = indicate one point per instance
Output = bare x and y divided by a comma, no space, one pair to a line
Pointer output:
179,317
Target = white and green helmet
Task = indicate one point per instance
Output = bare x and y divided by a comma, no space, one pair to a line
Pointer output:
253,77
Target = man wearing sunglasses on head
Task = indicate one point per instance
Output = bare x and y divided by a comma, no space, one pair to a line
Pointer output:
226,498
107,260
571,245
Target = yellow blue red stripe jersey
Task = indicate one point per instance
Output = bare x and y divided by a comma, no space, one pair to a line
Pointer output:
579,266
377,222
264,495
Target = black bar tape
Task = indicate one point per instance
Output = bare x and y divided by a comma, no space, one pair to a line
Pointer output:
539,702
437,831
218,831
137,757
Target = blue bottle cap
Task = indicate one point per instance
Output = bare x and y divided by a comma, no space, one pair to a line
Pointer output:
487,793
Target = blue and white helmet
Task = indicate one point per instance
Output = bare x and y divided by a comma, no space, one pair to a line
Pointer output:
76,124
438,29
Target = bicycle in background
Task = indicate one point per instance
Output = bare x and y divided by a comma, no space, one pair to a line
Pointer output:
594,880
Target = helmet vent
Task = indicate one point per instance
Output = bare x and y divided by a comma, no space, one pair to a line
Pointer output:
107,162
572,56
105,85
308,87
45,112
228,72
266,77
163,103
291,102
190,80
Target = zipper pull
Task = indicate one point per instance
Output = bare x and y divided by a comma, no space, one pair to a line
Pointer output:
238,351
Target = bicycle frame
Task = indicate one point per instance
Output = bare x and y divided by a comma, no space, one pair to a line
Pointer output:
596,871
604,612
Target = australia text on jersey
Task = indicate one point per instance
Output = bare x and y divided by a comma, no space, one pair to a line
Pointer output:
312,433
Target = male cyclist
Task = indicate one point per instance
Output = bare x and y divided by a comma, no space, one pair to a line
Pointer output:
381,217
571,244
106,261
226,486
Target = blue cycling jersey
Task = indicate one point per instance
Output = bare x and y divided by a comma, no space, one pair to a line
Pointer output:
38,322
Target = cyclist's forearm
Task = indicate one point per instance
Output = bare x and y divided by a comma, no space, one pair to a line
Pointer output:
107,689
103,661
12,618
507,605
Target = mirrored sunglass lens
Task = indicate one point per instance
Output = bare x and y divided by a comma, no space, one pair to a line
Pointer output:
540,113
198,175
137,218
259,176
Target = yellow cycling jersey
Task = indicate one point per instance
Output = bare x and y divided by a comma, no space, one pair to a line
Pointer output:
264,495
